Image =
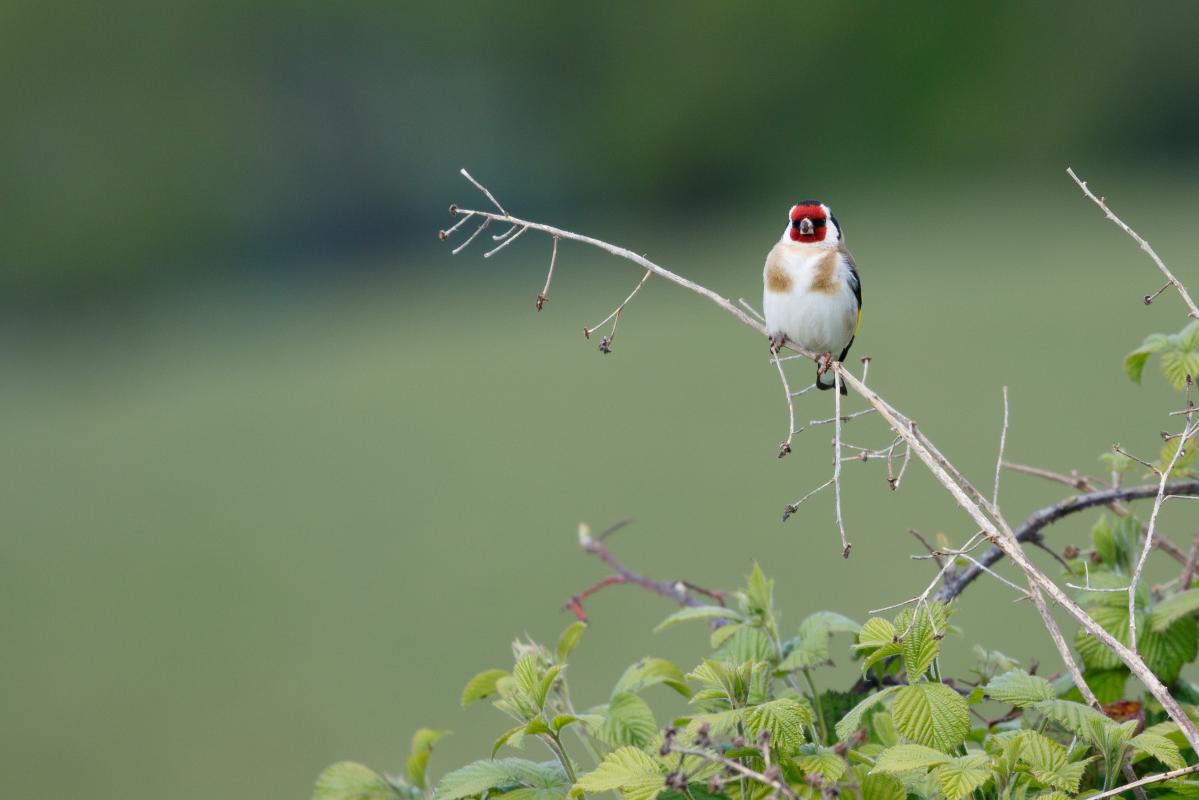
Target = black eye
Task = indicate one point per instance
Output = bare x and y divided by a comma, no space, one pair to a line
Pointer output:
818,223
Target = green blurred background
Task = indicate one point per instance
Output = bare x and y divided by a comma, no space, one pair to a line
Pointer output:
279,474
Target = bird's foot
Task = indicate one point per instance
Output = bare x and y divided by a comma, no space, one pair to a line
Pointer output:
824,362
776,343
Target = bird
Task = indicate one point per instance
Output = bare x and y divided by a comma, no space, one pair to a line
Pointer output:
812,292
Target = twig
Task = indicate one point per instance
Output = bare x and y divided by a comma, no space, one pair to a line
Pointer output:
544,294
676,591
1188,568
845,545
1186,298
1085,483
778,784
483,189
932,551
1148,779
785,447
1187,432
507,241
605,344
745,304
793,507
1044,517
1002,446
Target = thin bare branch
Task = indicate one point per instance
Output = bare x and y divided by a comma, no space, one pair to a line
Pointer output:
676,591
507,241
544,294
1188,568
1161,265
1187,432
484,190
785,447
845,545
1148,779
1002,447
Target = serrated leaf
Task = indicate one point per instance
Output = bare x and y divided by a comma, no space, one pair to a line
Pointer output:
699,613
418,758
634,773
748,643
822,761
480,776
1074,717
1173,608
1134,362
962,775
920,646
569,640
721,635
784,718
884,729
348,780
1160,748
628,721
648,672
829,622
546,683
512,736
1107,685
482,685
1019,688
759,592
908,757
931,714
852,721
878,786
1095,654
1177,365
875,633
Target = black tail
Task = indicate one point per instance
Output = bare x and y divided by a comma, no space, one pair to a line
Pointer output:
824,387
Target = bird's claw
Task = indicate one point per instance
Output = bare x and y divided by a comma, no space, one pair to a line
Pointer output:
824,362
776,344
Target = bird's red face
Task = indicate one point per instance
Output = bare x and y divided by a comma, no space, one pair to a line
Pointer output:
809,222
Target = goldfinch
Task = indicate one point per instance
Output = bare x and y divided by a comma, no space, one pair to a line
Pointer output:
812,295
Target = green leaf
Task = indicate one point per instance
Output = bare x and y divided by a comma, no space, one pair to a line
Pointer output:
1160,748
962,775
1177,364
481,776
920,646
878,786
1167,652
852,721
628,721
931,714
699,612
1048,762
759,592
1074,717
1095,654
513,736
877,632
1107,685
1019,688
748,643
823,761
648,672
482,685
634,773
784,718
347,780
1134,362
1173,608
418,759
569,640
908,757
827,622
547,682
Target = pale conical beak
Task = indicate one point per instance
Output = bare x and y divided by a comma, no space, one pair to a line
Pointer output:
805,227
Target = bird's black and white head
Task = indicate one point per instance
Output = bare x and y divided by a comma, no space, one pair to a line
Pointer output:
810,222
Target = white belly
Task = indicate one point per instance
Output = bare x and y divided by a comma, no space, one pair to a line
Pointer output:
822,322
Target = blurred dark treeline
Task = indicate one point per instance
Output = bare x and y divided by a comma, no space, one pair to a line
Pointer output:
152,140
